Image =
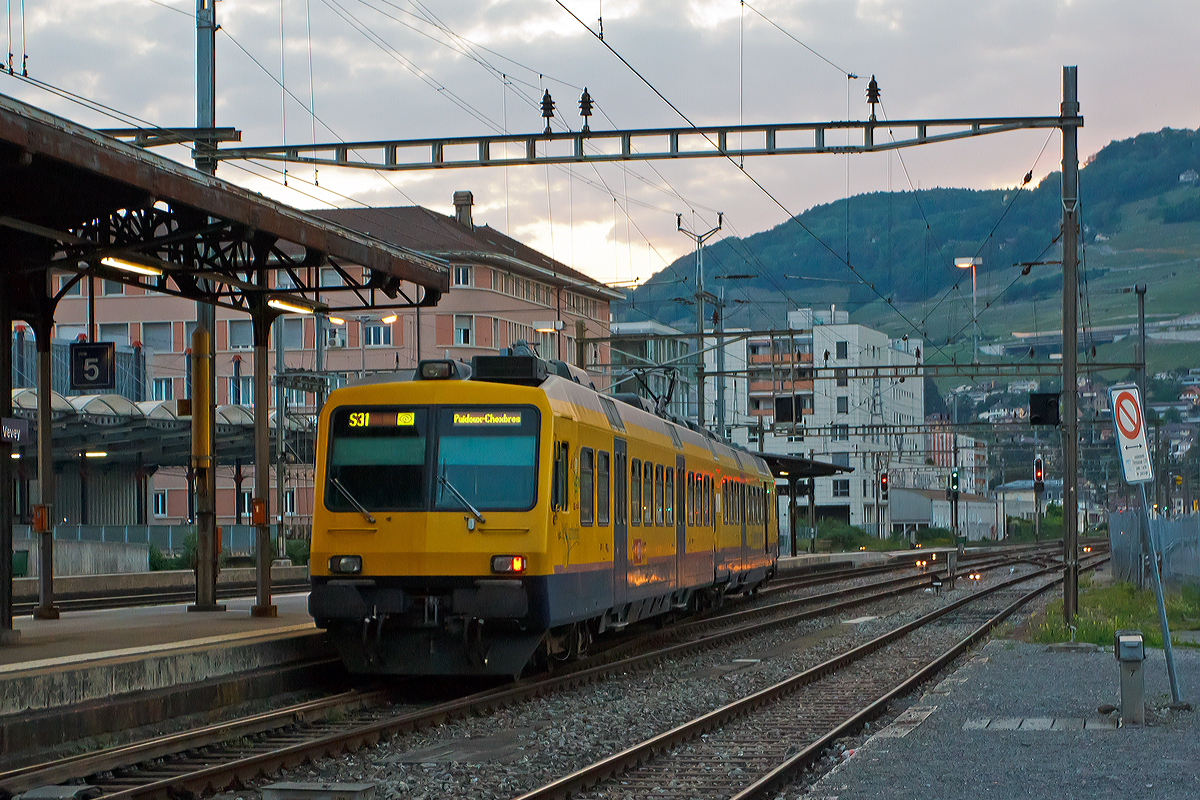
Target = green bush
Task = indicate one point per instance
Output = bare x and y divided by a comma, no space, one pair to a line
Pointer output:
1105,610
297,550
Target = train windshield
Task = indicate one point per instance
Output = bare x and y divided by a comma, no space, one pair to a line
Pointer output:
489,455
377,459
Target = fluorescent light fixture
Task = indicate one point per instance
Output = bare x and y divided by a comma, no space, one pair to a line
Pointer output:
337,320
16,455
782,474
389,319
967,263
548,327
96,454
131,266
288,304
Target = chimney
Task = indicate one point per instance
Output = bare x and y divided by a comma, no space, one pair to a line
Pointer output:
462,209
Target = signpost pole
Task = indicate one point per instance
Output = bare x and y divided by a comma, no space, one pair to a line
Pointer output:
1136,467
45,467
1148,543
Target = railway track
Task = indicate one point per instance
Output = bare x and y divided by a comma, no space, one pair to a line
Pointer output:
154,597
756,745
200,763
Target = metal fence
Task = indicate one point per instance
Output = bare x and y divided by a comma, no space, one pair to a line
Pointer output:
238,540
1176,541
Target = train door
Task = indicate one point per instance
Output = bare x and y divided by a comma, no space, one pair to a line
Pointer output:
741,500
683,573
620,517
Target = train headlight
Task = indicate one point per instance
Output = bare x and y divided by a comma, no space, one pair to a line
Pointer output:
509,565
345,565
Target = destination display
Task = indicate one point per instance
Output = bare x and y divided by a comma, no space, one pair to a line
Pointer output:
502,417
381,419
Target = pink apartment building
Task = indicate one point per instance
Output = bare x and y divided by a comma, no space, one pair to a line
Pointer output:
502,292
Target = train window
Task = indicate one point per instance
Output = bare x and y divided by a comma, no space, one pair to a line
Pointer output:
602,488
587,487
475,444
635,491
370,442
691,499
707,501
619,489
669,497
658,494
648,494
559,493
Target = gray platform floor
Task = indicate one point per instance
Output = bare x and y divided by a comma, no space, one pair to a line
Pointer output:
1019,720
82,636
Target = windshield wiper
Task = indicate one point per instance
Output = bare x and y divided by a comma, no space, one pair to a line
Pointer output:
357,505
442,480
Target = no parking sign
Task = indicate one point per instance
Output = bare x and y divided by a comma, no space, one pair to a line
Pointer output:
1126,402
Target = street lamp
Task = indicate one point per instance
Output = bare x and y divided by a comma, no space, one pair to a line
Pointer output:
362,320
971,263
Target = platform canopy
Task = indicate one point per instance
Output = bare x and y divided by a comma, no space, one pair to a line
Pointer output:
70,197
796,468
148,434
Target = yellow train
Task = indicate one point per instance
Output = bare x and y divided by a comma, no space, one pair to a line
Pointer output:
470,520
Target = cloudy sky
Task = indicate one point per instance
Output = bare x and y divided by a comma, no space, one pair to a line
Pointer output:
357,70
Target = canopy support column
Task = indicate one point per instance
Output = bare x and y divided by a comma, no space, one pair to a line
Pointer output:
42,325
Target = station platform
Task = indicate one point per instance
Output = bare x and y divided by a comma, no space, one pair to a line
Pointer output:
1021,720
94,672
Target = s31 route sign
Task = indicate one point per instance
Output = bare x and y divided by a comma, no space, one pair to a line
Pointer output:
1130,423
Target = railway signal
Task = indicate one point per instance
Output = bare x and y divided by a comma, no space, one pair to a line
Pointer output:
883,486
1039,475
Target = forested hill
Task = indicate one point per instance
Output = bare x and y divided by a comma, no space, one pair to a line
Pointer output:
905,243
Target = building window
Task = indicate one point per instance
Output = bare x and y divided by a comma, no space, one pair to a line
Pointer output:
70,289
115,332
283,280
463,325
841,488
462,276
164,389
241,334
72,332
842,349
377,335
241,391
113,287
330,277
293,334
843,376
289,502
843,405
245,503
295,398
157,336
160,502
841,433
335,336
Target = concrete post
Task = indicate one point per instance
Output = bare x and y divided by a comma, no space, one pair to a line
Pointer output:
1070,264
203,414
45,608
8,635
262,463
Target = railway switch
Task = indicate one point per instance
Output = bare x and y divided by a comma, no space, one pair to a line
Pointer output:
1130,650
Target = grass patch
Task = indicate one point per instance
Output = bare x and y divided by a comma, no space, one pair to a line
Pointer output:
1105,610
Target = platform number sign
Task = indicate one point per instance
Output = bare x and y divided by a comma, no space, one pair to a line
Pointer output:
93,365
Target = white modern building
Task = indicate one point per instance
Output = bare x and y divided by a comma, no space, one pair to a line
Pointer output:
807,394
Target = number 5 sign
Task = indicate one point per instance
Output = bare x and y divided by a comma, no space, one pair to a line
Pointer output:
93,365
